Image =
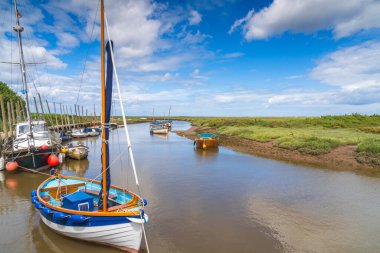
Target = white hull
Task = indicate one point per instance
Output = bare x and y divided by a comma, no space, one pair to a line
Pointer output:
160,131
123,236
78,135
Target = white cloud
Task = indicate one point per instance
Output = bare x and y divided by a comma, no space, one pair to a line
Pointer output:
356,67
195,17
232,55
67,40
305,16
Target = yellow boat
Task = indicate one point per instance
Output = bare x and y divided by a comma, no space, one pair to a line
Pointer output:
206,140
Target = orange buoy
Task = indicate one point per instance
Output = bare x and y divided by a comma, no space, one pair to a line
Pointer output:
11,166
53,160
44,147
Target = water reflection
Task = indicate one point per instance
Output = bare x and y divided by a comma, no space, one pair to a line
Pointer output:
209,154
77,167
209,201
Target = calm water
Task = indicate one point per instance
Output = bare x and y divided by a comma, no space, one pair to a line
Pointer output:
210,201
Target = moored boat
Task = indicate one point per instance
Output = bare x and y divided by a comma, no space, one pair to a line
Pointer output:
158,129
78,134
78,152
69,206
206,140
90,210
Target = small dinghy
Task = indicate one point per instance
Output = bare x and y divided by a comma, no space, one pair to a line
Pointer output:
206,140
78,152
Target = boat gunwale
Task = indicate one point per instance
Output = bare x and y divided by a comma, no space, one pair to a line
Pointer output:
94,213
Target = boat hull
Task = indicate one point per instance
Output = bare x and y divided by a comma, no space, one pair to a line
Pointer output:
126,236
35,160
206,143
159,131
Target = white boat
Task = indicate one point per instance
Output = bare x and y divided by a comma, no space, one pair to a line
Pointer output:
78,134
33,142
156,128
90,210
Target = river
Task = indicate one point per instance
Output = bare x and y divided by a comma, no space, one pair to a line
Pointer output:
209,201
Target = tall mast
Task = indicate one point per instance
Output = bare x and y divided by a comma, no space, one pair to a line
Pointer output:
18,29
103,116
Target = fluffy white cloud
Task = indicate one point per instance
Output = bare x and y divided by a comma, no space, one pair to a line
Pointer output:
305,16
195,17
356,67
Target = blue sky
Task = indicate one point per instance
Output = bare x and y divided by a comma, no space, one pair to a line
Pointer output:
207,58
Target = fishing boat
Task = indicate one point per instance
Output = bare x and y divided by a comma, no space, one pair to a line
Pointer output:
91,210
34,143
158,128
206,140
78,152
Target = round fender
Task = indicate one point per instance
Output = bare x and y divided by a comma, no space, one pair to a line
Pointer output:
33,193
76,218
47,210
60,216
34,199
145,202
38,205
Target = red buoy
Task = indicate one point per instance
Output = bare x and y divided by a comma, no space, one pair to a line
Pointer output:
53,160
44,147
11,166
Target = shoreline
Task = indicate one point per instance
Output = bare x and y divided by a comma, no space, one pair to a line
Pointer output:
342,158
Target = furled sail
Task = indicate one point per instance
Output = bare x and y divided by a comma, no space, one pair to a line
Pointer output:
108,90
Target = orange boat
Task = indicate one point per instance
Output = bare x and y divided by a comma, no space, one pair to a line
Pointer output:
206,140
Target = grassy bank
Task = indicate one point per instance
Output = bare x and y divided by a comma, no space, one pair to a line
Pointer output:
308,135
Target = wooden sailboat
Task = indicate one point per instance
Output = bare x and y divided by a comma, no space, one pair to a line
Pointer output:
90,210
33,143
206,140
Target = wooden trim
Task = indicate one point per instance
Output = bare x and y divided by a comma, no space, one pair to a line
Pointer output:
99,213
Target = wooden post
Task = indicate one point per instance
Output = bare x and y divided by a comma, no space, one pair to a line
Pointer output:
3,119
48,109
22,110
55,113
42,107
18,112
60,110
71,111
13,112
10,118
35,105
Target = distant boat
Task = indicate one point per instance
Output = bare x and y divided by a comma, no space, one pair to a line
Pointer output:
76,133
206,140
158,128
90,210
78,152
64,136
91,132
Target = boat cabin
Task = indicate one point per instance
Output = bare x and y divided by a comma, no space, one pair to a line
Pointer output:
37,127
79,200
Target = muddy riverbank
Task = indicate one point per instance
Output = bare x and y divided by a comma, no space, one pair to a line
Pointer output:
341,158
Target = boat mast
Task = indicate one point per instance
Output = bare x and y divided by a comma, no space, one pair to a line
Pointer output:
103,116
18,29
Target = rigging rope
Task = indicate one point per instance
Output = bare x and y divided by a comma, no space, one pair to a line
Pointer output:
88,49
125,127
